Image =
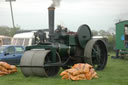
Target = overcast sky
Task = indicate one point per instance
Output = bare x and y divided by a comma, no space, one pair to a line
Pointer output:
32,14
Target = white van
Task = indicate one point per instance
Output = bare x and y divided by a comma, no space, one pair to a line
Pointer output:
23,39
28,38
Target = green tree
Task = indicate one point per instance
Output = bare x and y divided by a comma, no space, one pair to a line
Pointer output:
103,33
4,30
13,30
94,32
110,34
7,31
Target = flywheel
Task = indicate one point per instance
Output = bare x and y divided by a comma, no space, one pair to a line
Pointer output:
84,34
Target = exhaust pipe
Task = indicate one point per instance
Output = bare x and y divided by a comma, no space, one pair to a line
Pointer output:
51,22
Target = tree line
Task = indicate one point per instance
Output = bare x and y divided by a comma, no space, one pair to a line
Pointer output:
110,34
7,31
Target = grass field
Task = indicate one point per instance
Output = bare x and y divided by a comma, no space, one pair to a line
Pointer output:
115,73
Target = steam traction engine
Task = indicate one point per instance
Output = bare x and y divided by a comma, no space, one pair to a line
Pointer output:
63,49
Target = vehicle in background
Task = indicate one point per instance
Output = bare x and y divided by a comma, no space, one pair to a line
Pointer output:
11,54
105,38
23,39
121,39
5,40
28,38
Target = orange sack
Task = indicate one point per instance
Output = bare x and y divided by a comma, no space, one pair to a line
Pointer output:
3,73
79,71
13,69
78,77
6,68
6,65
3,69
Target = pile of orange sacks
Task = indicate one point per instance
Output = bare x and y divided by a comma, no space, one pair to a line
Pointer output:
79,72
6,68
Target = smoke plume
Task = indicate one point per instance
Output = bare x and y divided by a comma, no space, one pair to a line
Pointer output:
56,3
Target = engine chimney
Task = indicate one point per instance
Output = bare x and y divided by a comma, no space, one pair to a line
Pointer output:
51,22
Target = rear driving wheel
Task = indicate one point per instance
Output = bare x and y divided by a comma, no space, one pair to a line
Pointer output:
96,54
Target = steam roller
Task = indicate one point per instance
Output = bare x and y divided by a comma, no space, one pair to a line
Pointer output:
63,49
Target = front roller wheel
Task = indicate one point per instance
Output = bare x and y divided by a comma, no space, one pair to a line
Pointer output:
95,53
33,63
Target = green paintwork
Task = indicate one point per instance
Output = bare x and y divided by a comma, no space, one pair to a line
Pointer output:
63,50
45,47
71,40
66,44
119,34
